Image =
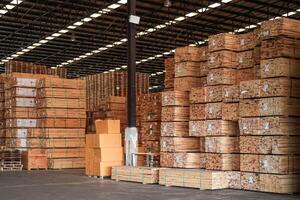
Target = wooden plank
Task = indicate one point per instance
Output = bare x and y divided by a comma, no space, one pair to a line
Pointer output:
179,129
61,123
62,83
207,94
222,41
269,126
221,144
150,130
217,161
187,69
151,146
245,59
145,175
213,128
76,152
231,93
175,114
61,93
66,163
247,74
280,67
284,184
176,144
187,83
62,113
276,106
269,144
195,54
230,111
182,160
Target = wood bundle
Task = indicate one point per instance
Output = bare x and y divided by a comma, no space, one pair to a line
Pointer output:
187,69
175,114
150,131
25,67
182,160
231,94
280,67
207,94
170,73
221,76
175,98
193,178
145,175
245,59
194,54
175,129
222,144
186,83
247,74
180,144
101,86
222,161
34,160
223,59
246,41
223,41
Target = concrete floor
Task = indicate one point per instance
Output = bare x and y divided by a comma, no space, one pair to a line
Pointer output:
73,185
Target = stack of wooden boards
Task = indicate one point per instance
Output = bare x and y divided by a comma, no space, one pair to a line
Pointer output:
26,67
169,74
101,86
247,116
104,149
150,119
2,112
10,160
45,116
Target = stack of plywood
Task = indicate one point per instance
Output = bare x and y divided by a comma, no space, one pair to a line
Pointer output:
62,111
269,111
150,115
177,148
145,175
190,67
2,112
169,74
26,67
104,149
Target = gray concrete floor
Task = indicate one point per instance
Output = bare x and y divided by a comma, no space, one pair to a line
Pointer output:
73,185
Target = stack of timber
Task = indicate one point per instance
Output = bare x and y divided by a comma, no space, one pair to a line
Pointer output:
145,175
34,159
10,160
103,85
26,67
190,67
2,111
62,101
169,74
269,114
103,150
150,115
177,148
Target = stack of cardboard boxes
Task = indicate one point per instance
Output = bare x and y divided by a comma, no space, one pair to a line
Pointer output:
104,149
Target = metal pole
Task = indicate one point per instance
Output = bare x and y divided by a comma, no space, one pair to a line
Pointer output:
131,101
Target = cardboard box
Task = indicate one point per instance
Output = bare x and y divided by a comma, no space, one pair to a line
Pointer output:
107,126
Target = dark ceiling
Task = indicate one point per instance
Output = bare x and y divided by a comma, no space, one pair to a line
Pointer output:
34,20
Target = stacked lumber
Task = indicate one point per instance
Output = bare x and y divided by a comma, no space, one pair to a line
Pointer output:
33,159
150,119
103,150
2,111
26,67
10,160
169,74
269,114
177,148
62,99
103,85
190,67
193,178
145,175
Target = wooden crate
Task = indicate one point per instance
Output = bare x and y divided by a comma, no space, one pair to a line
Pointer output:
270,164
275,87
177,129
221,76
187,69
222,41
145,175
222,59
150,130
195,54
270,144
207,94
213,128
269,126
230,111
217,161
276,106
175,114
283,26
179,144
182,160
280,67
187,83
175,98
193,178
245,59
221,144
32,160
231,93
280,47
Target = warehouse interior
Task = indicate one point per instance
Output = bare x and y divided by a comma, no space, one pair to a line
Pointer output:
152,99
